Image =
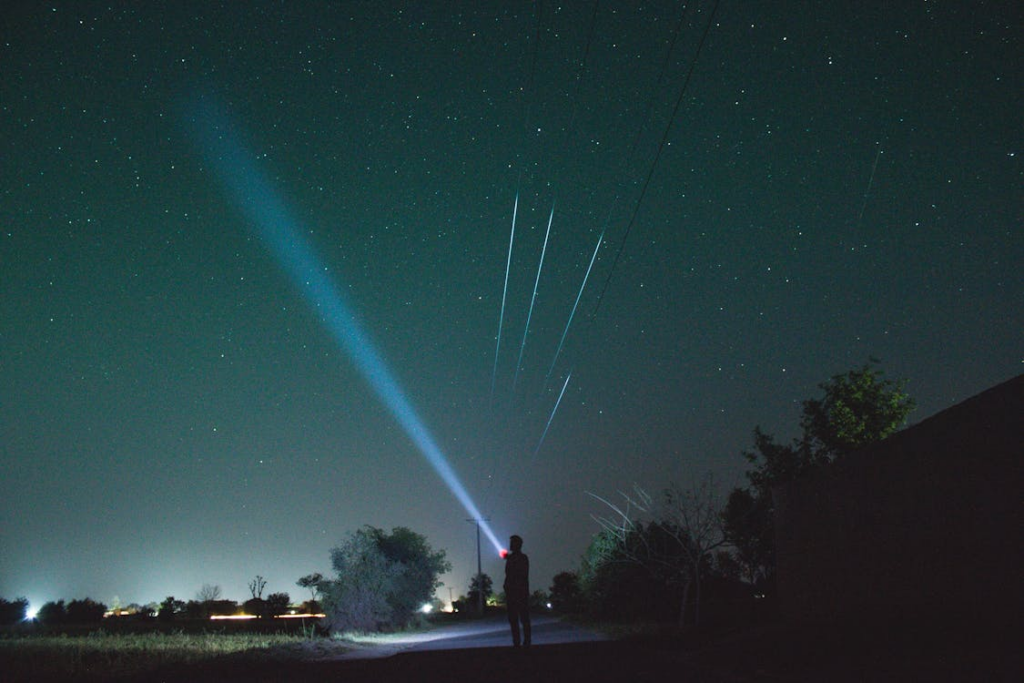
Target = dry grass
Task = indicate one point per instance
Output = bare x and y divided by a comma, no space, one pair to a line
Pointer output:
101,655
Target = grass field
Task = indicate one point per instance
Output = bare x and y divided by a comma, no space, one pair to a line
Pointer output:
102,656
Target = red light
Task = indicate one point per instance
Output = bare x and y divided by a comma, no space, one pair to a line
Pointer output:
503,553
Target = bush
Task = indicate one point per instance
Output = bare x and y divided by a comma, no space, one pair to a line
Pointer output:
13,611
52,613
85,611
382,579
277,604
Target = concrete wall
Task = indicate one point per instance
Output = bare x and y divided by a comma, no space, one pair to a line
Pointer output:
925,525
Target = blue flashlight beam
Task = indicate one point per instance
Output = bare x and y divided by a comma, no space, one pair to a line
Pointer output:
271,220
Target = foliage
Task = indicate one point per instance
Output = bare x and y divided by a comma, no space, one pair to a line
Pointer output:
674,549
256,607
13,611
311,582
52,613
85,611
170,608
856,409
382,579
481,583
613,585
565,592
277,604
748,526
421,568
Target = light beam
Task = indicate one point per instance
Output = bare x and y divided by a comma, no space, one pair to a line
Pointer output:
271,220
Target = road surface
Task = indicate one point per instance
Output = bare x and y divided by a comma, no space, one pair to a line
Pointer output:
491,632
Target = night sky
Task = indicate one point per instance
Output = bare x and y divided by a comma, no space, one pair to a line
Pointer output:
841,181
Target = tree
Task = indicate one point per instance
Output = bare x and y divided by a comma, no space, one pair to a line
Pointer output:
857,409
208,593
747,525
256,587
421,568
358,598
565,592
13,611
382,579
277,604
677,545
311,582
85,611
481,587
169,608
52,613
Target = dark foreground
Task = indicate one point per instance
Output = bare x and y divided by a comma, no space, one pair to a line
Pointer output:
590,662
769,654
476,653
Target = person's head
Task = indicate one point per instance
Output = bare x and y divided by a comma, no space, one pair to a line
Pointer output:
515,543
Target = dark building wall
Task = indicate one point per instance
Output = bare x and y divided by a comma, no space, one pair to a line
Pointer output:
924,525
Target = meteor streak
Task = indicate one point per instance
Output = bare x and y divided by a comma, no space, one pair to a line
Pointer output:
504,293
533,299
573,313
270,218
552,417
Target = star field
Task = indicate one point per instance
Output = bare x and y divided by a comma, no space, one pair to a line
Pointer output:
840,182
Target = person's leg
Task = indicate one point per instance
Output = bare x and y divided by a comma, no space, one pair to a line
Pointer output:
513,622
525,616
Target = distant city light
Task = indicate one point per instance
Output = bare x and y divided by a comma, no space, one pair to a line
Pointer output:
427,608
31,613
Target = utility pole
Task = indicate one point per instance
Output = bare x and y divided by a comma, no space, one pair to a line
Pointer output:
479,568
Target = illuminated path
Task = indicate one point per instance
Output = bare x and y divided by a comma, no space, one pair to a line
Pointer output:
485,633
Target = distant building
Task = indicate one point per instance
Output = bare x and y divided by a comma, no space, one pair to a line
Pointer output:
924,525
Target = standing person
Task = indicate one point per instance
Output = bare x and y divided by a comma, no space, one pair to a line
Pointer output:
517,590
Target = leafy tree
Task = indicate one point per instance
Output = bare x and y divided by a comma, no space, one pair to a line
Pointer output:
277,604
565,592
382,579
616,584
170,608
85,611
13,611
747,522
358,598
676,547
52,613
857,409
256,607
311,582
421,568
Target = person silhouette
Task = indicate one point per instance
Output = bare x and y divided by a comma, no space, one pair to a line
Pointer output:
517,590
